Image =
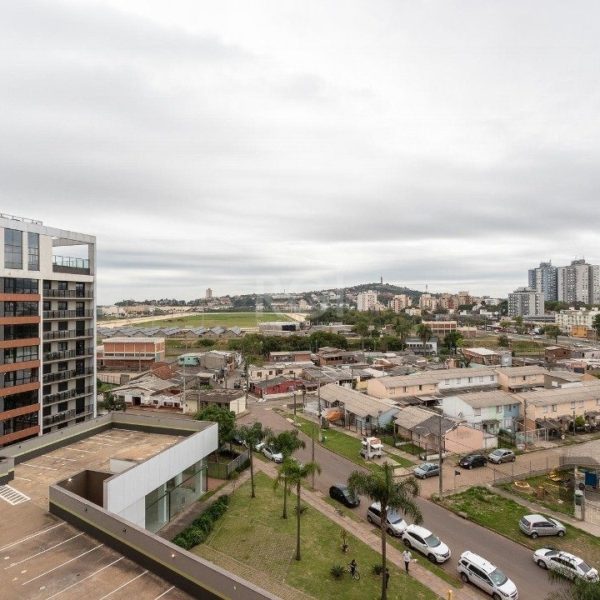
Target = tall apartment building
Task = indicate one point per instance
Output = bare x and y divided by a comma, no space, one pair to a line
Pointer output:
525,302
428,302
366,301
400,302
579,282
47,328
208,294
544,279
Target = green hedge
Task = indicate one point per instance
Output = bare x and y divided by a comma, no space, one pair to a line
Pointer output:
199,530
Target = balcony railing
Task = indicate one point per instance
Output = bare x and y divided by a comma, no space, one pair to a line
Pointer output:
67,395
87,293
68,314
67,415
68,334
24,381
68,354
70,264
69,374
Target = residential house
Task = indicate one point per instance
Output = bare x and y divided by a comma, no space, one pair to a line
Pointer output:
554,353
517,379
150,391
442,381
328,356
416,345
233,400
482,356
422,427
289,357
355,410
489,411
278,386
268,371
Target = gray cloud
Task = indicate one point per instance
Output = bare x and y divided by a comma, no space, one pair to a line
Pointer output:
261,148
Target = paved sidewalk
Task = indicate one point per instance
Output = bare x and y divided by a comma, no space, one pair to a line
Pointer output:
536,508
363,532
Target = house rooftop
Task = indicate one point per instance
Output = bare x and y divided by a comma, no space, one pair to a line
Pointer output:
434,377
485,399
355,402
522,371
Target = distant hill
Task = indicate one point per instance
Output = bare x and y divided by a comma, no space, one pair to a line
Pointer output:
385,291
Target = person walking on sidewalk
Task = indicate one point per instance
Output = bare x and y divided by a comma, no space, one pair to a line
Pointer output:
407,556
387,577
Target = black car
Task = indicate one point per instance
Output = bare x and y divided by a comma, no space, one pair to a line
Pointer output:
342,494
472,460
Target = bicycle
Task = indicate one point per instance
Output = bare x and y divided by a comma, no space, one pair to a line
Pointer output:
355,575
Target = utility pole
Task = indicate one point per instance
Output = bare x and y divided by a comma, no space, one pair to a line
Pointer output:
440,450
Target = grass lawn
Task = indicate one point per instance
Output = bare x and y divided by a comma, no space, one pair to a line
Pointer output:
262,544
226,319
502,515
344,445
550,500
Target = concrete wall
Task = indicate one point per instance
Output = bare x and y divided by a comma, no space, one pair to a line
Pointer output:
87,484
189,572
125,493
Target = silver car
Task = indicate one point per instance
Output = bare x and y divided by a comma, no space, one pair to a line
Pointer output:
501,455
536,525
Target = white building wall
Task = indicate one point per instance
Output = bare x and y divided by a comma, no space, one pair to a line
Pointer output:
463,383
125,494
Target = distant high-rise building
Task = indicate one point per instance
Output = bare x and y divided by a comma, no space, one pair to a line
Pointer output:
400,302
366,301
544,279
579,282
47,329
208,293
525,302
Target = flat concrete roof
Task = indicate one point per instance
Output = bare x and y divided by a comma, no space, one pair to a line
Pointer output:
45,557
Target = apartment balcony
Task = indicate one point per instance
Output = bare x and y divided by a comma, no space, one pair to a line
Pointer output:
83,294
66,354
71,264
67,415
69,334
67,395
65,375
67,314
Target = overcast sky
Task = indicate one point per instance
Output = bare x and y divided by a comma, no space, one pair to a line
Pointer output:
262,146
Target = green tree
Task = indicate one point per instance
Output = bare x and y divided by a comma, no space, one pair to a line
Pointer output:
251,435
453,340
224,418
286,442
596,325
552,331
381,487
362,329
112,403
424,332
402,328
295,473
503,341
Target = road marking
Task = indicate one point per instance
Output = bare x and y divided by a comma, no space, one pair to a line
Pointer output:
12,496
114,562
63,564
43,551
23,478
38,467
122,586
40,532
163,594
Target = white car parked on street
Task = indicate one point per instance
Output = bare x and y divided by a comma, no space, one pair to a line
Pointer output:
477,570
424,541
272,454
566,564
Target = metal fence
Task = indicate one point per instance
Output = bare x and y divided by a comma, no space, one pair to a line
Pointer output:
224,470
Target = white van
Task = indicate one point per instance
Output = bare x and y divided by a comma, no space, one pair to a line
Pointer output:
482,573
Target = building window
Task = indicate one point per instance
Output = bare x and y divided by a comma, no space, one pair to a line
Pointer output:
33,251
13,249
554,408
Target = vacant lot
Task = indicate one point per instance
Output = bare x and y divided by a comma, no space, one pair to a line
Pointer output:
545,492
253,537
233,319
503,515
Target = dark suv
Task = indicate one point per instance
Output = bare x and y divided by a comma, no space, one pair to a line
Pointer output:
342,494
472,460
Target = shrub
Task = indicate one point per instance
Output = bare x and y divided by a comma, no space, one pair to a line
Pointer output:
198,531
336,571
377,569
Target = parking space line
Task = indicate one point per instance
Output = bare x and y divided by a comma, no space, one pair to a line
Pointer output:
38,467
122,586
23,478
41,532
62,564
163,594
43,551
75,449
114,562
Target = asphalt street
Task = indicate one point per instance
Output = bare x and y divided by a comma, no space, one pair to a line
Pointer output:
512,558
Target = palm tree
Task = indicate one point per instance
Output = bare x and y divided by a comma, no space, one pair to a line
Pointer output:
287,442
252,435
424,332
402,328
295,472
396,495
